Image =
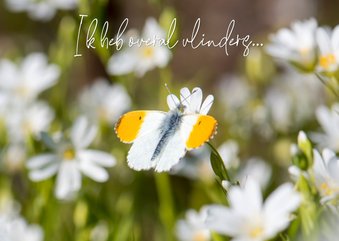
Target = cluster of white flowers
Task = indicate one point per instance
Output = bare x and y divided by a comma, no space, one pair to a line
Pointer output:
43,10
307,46
247,217
144,56
23,115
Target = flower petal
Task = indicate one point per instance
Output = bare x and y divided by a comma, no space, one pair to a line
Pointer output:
206,105
122,63
324,41
94,172
248,199
44,173
82,133
41,160
196,99
185,96
223,220
278,207
97,157
172,102
68,180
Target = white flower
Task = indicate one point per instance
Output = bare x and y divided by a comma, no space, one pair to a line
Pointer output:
248,217
15,228
108,109
290,100
192,228
328,43
69,160
191,101
329,121
235,92
26,81
229,153
147,56
326,173
297,44
256,169
40,10
28,120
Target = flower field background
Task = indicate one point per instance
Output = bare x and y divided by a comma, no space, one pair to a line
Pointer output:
270,172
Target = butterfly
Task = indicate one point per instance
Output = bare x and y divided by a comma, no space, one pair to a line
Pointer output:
160,139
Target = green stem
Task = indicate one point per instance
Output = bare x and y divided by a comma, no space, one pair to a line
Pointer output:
166,207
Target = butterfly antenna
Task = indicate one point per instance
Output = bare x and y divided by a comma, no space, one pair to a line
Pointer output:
167,88
184,99
169,92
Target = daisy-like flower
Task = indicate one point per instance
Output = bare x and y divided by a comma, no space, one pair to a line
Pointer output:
329,121
43,10
248,217
144,56
328,43
70,159
25,121
27,80
326,169
106,109
296,45
193,228
191,101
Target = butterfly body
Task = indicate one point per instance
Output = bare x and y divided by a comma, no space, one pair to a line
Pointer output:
160,139
170,125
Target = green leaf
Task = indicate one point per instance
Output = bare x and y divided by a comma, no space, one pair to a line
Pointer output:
218,165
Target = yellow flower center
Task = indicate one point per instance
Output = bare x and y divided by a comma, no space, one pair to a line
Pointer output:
326,61
199,236
147,51
69,154
326,189
256,232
